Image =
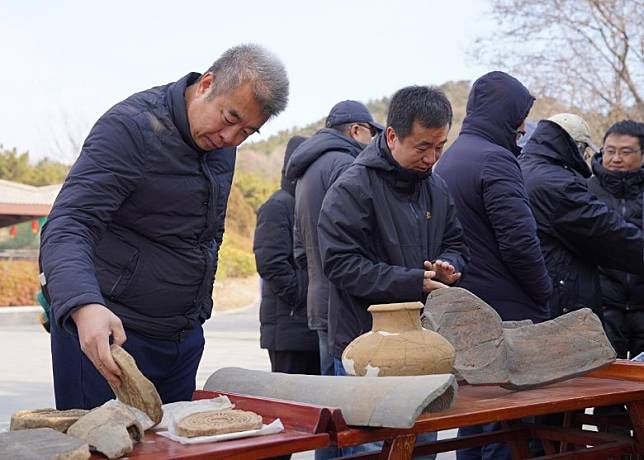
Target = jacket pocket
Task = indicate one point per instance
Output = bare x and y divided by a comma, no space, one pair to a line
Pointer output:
117,263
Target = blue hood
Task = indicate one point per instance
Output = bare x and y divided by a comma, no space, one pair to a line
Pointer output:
496,106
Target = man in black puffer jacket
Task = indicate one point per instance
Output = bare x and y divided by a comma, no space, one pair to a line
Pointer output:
507,269
292,346
578,232
388,230
387,215
316,164
131,244
619,182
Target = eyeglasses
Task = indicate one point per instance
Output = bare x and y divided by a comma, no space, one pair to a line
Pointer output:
623,153
371,129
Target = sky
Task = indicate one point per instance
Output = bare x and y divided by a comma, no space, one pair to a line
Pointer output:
64,63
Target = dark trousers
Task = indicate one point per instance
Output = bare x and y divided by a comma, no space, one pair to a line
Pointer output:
171,365
625,330
496,451
295,362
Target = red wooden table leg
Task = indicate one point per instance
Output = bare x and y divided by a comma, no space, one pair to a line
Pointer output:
399,448
636,413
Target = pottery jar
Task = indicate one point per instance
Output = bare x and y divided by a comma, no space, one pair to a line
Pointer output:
398,345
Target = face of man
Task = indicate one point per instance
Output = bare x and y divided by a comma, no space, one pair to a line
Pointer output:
621,152
362,132
421,149
225,120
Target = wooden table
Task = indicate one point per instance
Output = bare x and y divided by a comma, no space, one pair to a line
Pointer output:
619,383
305,428
309,427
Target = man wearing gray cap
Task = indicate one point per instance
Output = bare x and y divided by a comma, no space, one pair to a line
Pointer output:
578,232
316,164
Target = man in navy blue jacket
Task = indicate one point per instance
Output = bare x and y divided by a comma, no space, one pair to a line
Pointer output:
506,269
129,252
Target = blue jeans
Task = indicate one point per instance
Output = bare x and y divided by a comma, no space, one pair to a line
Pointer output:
496,451
326,368
371,446
171,365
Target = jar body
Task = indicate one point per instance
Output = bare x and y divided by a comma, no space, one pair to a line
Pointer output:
398,345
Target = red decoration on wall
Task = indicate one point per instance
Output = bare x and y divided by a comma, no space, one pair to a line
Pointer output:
35,227
13,231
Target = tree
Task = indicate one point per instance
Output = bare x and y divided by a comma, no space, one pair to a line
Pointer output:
587,53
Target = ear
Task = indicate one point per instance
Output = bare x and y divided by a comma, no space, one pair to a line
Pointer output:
206,83
391,137
354,130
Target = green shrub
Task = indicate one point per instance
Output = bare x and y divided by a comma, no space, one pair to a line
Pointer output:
234,262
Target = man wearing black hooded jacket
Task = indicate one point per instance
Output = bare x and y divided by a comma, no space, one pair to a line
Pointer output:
388,230
578,232
506,269
292,346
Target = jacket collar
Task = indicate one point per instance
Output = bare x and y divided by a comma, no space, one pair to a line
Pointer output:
177,107
620,184
378,156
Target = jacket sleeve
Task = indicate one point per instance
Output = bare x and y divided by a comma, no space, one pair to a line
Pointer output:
106,172
345,234
515,229
453,247
273,248
595,232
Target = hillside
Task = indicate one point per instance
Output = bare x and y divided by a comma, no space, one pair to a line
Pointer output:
265,157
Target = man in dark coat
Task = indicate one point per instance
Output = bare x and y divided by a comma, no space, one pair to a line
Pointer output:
292,346
578,232
130,248
387,217
506,268
316,164
388,230
618,181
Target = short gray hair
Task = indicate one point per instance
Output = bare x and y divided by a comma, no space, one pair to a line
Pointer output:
255,64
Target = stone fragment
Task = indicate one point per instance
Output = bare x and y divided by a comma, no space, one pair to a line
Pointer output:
210,423
136,390
59,420
556,350
42,444
111,430
516,354
394,402
474,329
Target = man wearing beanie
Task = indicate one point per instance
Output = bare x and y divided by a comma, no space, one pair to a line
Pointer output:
292,346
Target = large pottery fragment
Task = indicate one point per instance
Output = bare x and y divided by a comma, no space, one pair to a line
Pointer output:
111,430
59,420
136,390
398,345
42,444
517,354
393,402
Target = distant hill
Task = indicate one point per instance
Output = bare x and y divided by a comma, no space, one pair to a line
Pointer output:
265,157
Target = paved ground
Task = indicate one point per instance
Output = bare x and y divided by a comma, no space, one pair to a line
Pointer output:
232,339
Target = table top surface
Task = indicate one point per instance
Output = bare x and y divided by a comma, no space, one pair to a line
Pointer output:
489,403
309,427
